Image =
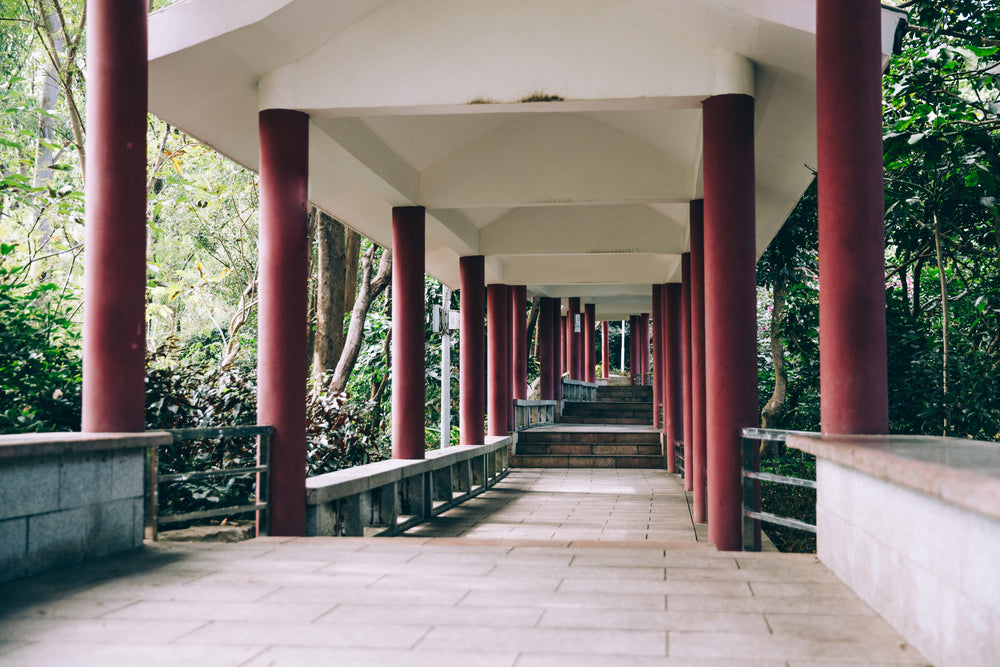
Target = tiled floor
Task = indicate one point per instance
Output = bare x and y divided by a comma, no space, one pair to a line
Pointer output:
555,567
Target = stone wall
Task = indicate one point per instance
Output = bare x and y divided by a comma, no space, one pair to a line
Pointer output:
65,498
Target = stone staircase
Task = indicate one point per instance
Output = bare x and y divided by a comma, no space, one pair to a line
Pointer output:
614,405
613,432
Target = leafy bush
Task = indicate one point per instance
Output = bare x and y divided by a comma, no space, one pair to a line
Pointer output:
181,393
40,369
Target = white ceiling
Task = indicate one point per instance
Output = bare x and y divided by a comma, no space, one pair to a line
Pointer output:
419,102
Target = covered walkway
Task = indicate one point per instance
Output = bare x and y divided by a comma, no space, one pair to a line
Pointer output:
553,567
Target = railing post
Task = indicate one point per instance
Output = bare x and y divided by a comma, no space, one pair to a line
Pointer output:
152,493
751,495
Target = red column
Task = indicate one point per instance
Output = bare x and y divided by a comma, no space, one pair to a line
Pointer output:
519,352
852,342
114,330
564,333
699,508
558,349
573,353
589,350
673,408
497,364
282,363
633,348
730,307
508,326
546,377
408,332
686,369
644,341
605,351
472,352
657,354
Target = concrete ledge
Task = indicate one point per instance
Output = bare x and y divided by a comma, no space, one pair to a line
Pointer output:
351,481
29,445
965,473
911,524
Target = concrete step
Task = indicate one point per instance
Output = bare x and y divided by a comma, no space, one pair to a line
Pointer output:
604,449
616,408
572,461
637,421
595,437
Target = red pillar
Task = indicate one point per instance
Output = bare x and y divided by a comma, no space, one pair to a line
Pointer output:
673,422
472,352
633,349
644,342
686,369
564,333
282,363
408,332
657,354
114,330
852,350
605,351
519,352
699,508
546,376
497,364
730,307
558,349
573,353
589,350
509,328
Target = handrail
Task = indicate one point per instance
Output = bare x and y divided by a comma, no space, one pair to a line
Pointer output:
579,391
533,413
752,516
154,520
390,497
679,457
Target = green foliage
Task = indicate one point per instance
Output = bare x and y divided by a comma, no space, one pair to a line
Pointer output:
39,355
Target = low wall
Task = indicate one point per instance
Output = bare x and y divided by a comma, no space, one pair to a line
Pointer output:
912,524
69,497
389,497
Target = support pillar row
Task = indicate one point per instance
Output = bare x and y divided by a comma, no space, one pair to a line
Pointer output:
852,340
497,362
114,329
408,332
730,307
472,352
282,361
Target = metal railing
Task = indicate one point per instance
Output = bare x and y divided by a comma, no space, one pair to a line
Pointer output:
752,477
533,413
154,520
679,457
578,391
390,497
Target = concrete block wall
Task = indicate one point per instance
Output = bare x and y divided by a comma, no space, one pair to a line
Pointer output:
62,503
929,567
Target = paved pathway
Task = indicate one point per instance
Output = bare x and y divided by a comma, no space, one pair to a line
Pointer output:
570,568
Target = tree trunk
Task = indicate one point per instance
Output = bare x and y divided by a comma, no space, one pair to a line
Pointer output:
775,407
371,287
44,156
918,271
536,304
943,282
330,260
352,251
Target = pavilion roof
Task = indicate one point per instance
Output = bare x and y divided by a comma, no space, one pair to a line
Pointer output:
559,138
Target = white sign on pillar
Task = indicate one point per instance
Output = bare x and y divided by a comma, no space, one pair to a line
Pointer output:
576,323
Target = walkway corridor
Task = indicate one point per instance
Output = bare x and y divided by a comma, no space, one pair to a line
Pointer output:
553,567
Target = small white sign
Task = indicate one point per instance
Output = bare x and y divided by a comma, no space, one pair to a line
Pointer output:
454,320
577,328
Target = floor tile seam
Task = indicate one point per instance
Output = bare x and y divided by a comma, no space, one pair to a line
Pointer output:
251,659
